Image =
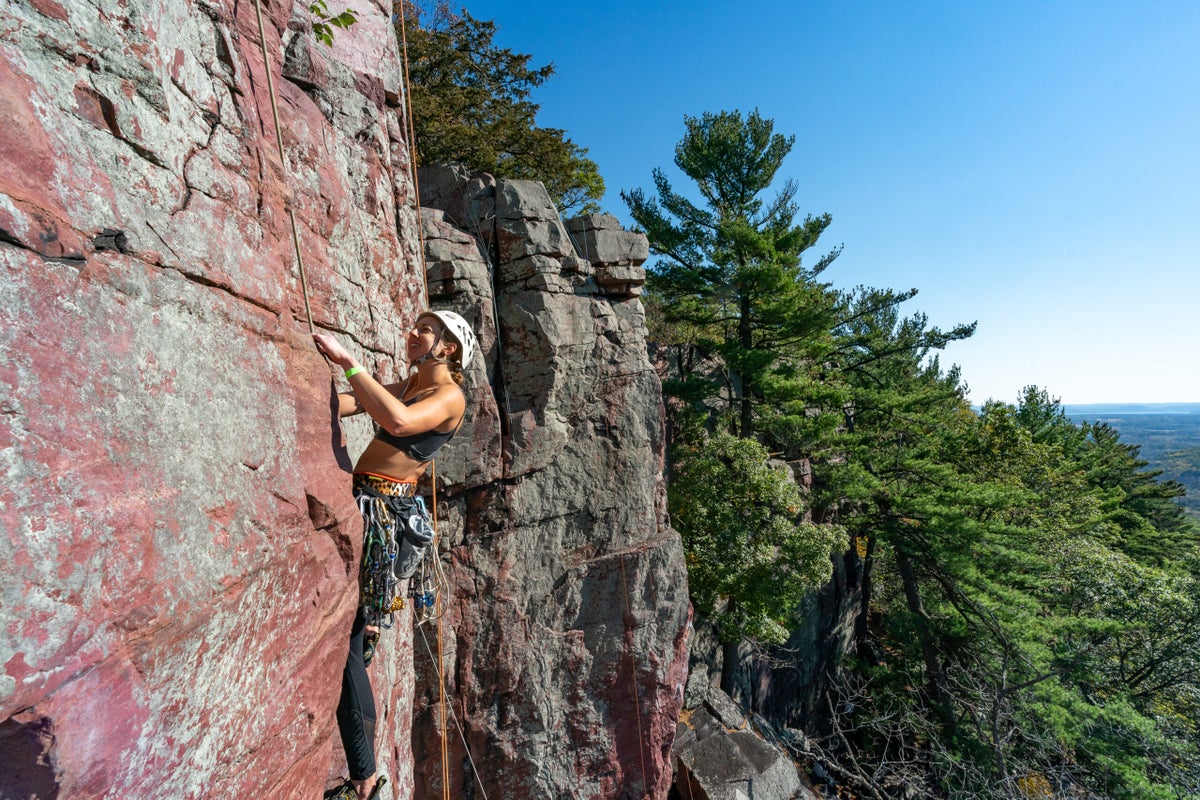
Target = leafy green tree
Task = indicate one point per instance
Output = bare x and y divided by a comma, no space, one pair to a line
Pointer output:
323,22
751,555
471,104
746,324
1050,656
904,502
763,348
1141,513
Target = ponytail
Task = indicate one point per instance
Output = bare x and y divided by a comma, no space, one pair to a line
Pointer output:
454,364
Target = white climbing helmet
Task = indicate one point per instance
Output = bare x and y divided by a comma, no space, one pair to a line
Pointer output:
461,331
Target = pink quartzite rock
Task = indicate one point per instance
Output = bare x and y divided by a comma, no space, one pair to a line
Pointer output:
175,507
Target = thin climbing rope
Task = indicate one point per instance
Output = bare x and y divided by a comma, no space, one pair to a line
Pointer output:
441,664
262,40
458,724
439,576
637,703
412,149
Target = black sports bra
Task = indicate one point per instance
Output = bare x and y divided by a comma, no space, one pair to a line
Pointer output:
418,446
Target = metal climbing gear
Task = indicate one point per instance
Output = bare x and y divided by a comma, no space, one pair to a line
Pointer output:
396,538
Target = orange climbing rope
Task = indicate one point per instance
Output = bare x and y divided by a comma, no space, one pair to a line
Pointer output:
412,149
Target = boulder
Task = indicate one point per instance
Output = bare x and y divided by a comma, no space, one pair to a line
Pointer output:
600,239
720,756
517,200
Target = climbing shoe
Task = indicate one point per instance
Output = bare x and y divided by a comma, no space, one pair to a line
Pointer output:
346,790
343,792
370,643
377,790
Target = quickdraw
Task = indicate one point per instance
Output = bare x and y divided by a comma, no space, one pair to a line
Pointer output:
423,590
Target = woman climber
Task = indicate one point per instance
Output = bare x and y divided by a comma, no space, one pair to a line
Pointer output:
414,419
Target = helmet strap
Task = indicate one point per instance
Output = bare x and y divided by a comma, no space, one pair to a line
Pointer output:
429,356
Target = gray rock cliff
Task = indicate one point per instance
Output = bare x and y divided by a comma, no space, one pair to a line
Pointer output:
566,637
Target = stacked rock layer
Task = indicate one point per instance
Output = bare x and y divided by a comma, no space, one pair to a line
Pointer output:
567,629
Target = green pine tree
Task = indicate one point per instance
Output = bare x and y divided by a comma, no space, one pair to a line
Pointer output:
729,279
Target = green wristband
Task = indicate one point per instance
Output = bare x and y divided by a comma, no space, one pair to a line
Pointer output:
350,373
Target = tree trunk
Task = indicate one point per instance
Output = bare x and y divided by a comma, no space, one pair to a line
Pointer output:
746,340
937,687
862,622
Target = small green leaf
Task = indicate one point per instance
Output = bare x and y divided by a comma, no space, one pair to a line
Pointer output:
324,22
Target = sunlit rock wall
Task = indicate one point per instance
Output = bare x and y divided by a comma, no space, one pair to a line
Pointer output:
565,641
175,507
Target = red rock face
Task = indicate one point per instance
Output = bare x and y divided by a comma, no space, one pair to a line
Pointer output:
175,510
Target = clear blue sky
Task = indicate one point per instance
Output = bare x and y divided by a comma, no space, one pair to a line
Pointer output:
1034,166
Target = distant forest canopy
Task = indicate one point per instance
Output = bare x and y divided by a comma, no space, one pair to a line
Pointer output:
1168,434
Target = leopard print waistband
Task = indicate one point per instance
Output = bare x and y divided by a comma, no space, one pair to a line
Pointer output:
386,486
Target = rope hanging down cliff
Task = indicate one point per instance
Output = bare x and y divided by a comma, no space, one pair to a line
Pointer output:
262,40
439,610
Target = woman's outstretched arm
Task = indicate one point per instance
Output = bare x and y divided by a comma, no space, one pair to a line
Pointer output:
381,403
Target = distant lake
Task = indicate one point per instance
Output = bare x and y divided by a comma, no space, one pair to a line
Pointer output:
1091,411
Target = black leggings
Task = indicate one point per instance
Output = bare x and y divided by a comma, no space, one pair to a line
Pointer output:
356,709
383,503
